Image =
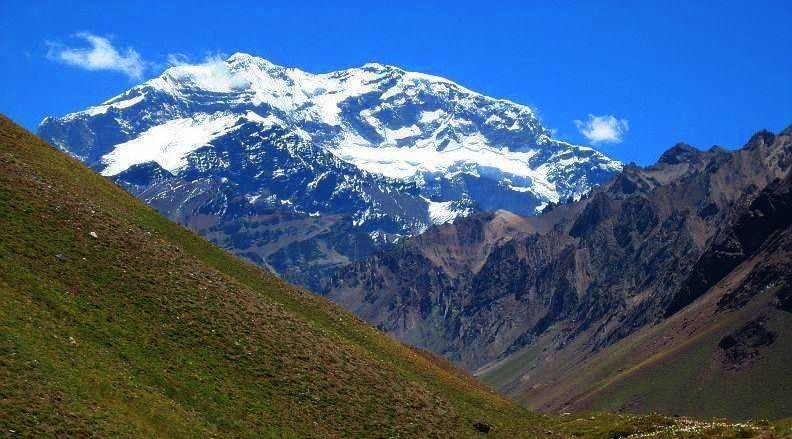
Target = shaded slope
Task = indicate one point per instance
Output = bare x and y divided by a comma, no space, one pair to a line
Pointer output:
542,300
725,352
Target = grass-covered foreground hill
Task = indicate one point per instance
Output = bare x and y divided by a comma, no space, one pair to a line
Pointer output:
116,322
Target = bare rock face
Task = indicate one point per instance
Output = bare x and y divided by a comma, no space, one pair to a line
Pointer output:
583,275
745,344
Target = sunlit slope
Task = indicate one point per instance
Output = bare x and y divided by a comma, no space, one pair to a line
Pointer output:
149,329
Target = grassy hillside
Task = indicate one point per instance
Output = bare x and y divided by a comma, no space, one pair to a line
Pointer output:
117,322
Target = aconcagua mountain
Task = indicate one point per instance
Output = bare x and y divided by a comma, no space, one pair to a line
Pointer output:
304,172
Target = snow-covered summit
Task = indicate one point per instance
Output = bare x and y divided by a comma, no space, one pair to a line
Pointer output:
450,142
304,172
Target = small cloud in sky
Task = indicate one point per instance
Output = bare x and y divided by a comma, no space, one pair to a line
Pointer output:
99,54
603,129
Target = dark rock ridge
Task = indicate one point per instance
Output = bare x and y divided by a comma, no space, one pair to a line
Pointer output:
583,275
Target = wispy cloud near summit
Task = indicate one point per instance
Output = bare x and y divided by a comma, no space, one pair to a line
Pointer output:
100,54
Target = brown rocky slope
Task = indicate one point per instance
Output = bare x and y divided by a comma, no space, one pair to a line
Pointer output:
531,304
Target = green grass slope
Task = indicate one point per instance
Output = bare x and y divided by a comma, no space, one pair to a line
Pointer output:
117,322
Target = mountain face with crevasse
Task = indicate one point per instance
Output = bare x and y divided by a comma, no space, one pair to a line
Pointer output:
303,173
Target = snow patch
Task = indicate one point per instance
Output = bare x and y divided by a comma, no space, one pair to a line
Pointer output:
169,143
428,117
401,133
213,75
473,155
112,103
442,212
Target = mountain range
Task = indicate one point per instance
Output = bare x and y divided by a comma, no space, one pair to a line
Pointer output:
116,322
302,173
454,222
666,289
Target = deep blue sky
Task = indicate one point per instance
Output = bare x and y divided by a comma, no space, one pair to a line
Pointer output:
696,71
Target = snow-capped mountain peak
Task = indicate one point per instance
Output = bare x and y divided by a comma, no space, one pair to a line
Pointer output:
302,172
388,125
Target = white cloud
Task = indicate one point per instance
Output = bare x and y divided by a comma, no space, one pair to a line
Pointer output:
603,129
177,59
212,74
99,55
